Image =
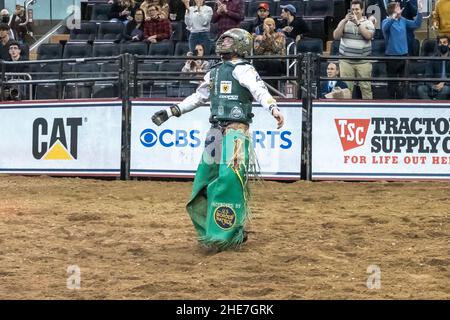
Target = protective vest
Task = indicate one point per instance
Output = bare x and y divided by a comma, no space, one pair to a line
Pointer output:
230,101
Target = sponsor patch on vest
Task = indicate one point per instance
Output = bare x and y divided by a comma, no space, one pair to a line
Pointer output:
237,112
220,110
225,86
225,217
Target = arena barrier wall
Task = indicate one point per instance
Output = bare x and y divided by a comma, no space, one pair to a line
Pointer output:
380,140
61,137
174,149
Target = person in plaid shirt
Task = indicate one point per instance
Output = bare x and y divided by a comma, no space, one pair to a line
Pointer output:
156,28
228,14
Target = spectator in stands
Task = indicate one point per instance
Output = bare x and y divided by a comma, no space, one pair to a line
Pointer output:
122,11
331,85
4,41
292,26
14,52
156,28
198,22
261,14
271,42
15,92
438,69
395,31
355,32
163,8
177,10
441,17
228,14
196,65
19,24
134,30
5,18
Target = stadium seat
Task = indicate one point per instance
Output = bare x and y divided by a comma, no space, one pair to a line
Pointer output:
319,8
100,12
177,31
298,4
378,47
379,70
106,49
416,70
335,47
318,27
46,91
416,47
145,70
87,32
110,31
181,48
310,45
77,50
48,51
137,48
107,89
429,47
163,48
171,66
81,90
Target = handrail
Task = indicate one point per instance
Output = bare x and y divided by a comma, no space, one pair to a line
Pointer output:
26,5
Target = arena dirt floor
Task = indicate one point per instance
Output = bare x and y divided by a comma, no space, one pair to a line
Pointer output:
134,240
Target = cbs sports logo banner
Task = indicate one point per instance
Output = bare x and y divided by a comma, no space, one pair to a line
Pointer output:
175,148
61,138
380,141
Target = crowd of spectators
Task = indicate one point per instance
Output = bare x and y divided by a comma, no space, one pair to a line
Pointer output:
151,21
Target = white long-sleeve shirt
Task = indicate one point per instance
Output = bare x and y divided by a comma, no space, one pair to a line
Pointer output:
198,20
247,76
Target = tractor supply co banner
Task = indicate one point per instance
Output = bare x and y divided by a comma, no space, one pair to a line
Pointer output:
61,138
174,149
380,140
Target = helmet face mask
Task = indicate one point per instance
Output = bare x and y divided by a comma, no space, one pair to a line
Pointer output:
235,41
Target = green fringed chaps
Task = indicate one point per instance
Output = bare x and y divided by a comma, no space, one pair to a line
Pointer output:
218,205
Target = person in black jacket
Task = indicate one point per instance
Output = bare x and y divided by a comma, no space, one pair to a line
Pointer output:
329,85
438,69
134,30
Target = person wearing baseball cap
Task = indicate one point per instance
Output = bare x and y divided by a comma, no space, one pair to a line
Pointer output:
261,14
292,26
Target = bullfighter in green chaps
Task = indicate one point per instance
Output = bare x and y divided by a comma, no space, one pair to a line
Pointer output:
219,203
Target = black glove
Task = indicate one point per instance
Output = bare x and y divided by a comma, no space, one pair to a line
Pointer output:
160,117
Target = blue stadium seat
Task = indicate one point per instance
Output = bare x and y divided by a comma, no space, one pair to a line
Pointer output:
110,31
163,48
310,45
429,47
138,48
87,32
48,51
378,47
100,12
106,49
181,48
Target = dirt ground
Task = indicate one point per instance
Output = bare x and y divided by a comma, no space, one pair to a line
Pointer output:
134,240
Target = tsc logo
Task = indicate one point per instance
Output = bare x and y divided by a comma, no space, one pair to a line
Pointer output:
56,146
352,132
170,138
